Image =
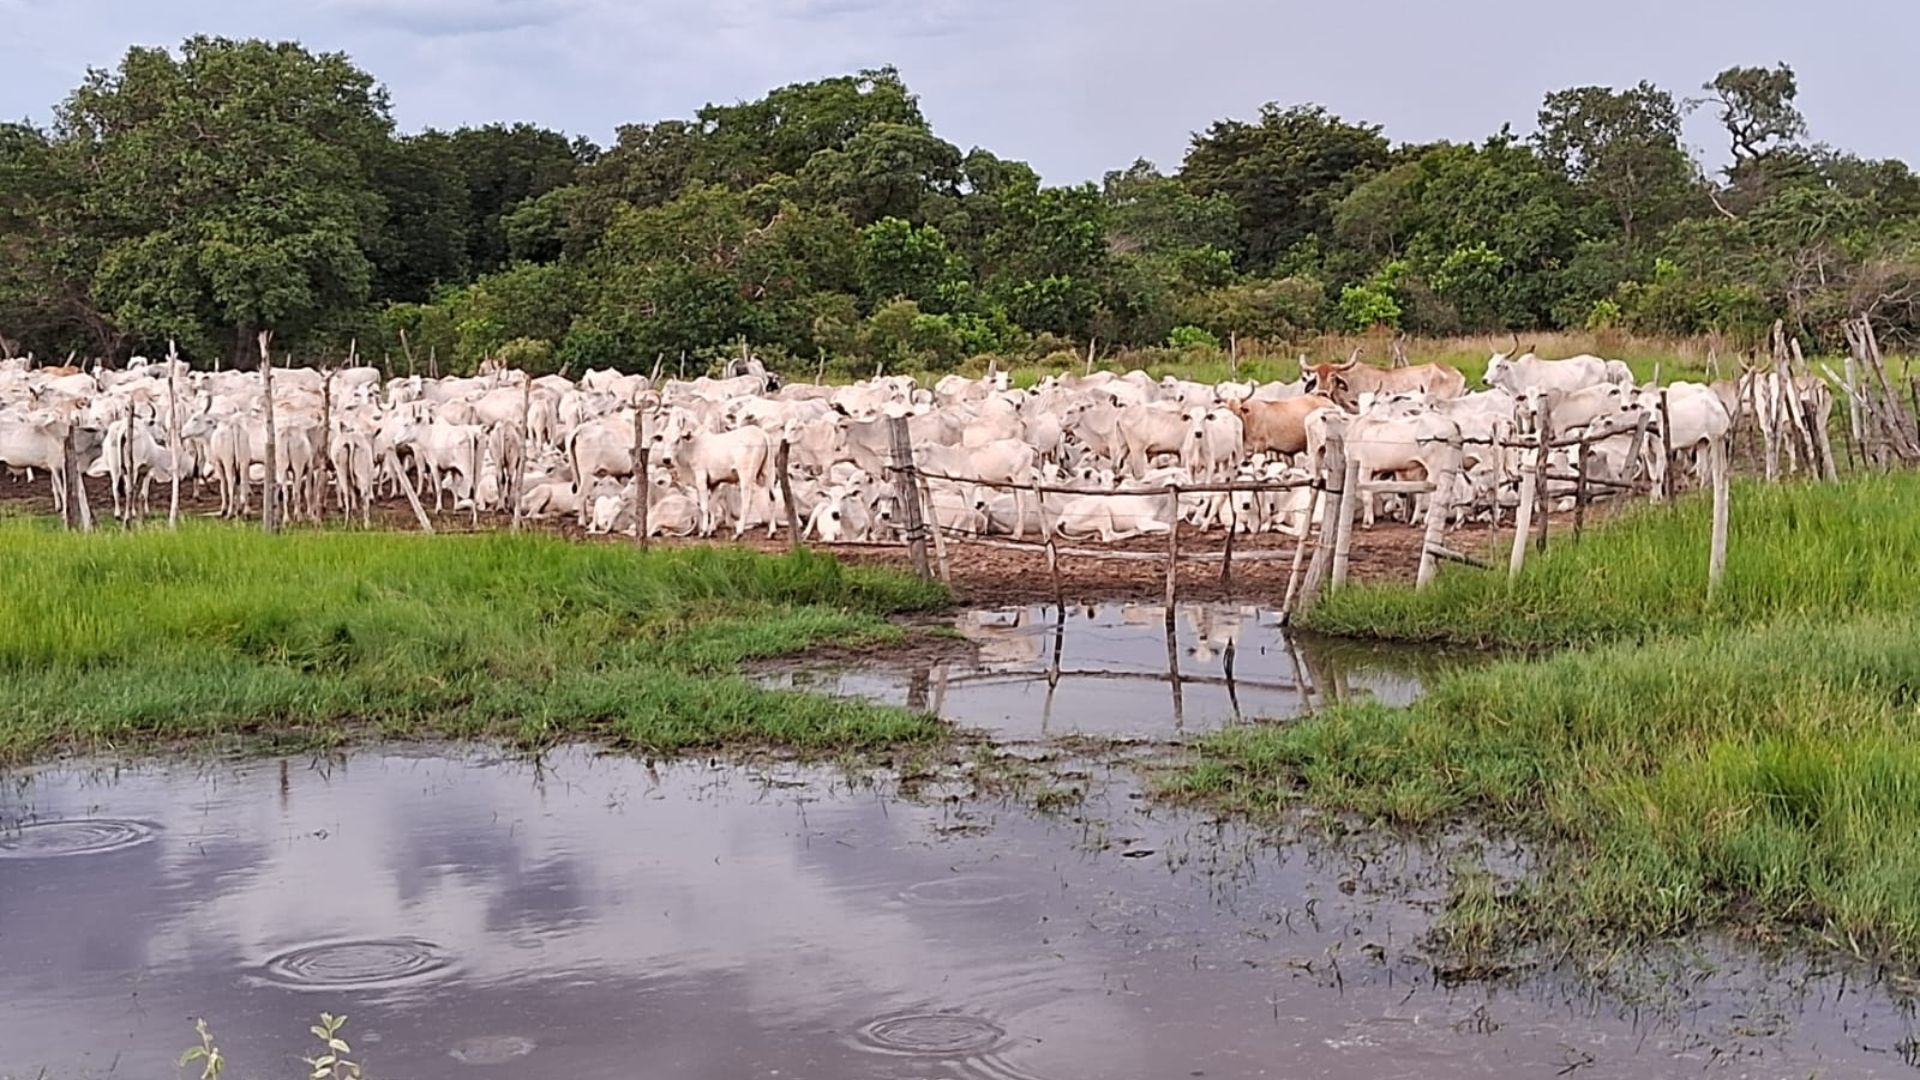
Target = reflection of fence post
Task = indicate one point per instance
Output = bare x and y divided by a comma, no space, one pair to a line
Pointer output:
907,494
782,459
1173,553
1350,496
1436,528
1717,551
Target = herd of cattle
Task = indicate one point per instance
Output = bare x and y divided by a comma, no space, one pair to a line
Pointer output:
566,448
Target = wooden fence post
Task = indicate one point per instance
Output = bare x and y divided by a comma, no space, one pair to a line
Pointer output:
642,482
932,519
907,494
1523,519
782,459
270,491
518,480
1666,449
1853,397
69,506
1173,551
1717,549
1542,499
1350,496
1639,444
1580,487
323,470
1226,554
1332,485
1436,531
173,435
1314,503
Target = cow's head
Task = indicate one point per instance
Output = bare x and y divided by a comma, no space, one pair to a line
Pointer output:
1500,365
1333,381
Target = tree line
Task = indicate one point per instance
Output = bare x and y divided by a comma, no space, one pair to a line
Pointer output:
200,194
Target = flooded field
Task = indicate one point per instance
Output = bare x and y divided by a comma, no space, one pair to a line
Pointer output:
589,917
1120,671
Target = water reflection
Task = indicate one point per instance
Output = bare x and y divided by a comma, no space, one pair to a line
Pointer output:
1126,670
595,918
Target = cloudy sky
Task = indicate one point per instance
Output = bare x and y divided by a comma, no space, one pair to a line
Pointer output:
1074,86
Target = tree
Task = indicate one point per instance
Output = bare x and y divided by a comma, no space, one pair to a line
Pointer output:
235,181
423,240
49,248
505,166
1152,213
886,170
1756,105
1047,254
542,229
744,144
1284,174
897,260
1621,148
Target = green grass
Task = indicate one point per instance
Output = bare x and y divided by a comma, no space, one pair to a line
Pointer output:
129,641
1818,551
1755,763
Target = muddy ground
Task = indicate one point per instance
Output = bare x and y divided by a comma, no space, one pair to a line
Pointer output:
979,574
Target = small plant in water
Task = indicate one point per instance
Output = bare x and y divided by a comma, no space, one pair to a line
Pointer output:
332,1063
212,1063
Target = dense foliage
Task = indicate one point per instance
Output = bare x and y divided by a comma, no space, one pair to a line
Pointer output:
203,193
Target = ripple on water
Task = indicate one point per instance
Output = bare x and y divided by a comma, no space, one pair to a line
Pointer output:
491,1049
81,836
965,890
934,1034
358,965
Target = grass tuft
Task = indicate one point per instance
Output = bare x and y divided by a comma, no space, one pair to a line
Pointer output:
136,639
1754,762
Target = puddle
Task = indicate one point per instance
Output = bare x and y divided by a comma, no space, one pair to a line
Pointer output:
591,917
1117,671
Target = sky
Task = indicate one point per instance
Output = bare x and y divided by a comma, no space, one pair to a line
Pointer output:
1075,87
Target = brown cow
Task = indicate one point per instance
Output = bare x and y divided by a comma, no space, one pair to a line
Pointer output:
1344,383
1277,425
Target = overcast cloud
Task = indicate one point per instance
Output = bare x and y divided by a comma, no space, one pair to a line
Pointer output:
1074,86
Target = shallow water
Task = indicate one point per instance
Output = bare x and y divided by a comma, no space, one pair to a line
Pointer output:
593,917
1115,671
